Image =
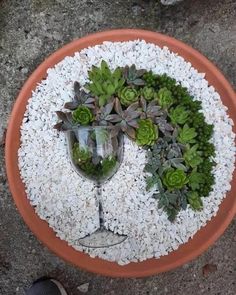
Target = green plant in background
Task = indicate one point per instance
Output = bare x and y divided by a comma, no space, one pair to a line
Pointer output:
193,157
149,93
82,115
108,164
158,114
146,133
104,83
165,98
128,95
195,201
179,115
195,179
187,134
80,155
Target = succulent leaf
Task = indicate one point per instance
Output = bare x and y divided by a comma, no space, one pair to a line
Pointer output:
146,133
192,157
165,98
133,76
174,179
187,135
82,115
104,83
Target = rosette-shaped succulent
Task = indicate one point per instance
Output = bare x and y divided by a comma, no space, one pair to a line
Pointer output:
150,110
128,95
82,115
195,201
179,115
80,98
165,98
174,179
104,83
192,156
148,93
126,120
80,155
133,76
146,133
187,135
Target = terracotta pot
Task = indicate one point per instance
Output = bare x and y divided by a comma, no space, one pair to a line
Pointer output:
200,242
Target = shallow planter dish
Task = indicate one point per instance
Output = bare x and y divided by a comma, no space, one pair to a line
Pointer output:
186,252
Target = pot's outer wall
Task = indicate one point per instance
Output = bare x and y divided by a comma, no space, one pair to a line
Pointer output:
186,252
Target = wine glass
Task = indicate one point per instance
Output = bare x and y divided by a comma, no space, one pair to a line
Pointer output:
96,153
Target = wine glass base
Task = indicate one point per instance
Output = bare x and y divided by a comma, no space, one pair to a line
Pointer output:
102,238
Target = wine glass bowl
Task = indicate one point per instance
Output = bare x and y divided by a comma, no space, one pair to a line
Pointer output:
96,152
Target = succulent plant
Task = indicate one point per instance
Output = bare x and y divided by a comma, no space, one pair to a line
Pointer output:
149,93
174,179
179,115
150,78
195,201
80,155
66,123
146,133
82,115
187,134
108,164
133,76
80,98
149,110
102,114
126,120
165,98
104,83
195,179
142,104
128,95
193,157
163,125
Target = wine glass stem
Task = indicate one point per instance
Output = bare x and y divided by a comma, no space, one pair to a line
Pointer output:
100,208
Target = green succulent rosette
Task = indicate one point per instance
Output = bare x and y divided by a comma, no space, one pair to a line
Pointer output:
80,155
146,133
195,201
179,115
128,95
148,93
165,98
83,115
175,179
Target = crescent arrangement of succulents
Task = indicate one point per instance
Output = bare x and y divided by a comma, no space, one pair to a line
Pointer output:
159,115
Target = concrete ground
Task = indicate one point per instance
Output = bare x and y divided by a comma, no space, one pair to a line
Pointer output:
30,31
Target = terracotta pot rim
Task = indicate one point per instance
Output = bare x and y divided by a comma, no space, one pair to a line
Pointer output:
186,252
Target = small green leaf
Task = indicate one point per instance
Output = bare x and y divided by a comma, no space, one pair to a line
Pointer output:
192,157
195,201
102,100
195,179
187,135
179,115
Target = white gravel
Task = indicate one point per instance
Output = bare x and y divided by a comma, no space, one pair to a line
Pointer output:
66,201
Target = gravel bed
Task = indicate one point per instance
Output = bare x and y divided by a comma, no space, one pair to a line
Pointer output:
67,201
